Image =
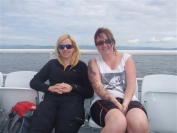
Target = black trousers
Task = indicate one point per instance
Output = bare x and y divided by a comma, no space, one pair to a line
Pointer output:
64,113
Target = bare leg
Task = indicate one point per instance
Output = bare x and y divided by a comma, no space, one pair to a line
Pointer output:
137,121
115,122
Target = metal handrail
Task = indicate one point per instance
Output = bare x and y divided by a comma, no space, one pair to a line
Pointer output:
89,52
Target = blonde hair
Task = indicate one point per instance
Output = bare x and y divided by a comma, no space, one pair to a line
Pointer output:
108,34
76,54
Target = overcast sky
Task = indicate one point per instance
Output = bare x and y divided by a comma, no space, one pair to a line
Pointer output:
132,22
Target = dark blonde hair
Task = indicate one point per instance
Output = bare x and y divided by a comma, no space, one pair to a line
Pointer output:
108,34
76,54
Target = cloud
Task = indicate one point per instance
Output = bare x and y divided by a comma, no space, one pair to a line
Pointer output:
153,40
165,39
47,19
168,39
133,41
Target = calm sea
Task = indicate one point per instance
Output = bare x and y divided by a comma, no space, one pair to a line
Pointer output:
145,65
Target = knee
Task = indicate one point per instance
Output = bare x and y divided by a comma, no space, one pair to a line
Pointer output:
137,123
120,124
116,122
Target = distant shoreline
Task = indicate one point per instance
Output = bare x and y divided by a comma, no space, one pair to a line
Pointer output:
88,47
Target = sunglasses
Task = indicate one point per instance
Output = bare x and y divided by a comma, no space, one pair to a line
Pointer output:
68,46
106,41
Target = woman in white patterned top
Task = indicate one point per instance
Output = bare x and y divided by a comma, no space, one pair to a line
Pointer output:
113,78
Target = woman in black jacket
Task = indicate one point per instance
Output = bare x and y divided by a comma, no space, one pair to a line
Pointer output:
63,104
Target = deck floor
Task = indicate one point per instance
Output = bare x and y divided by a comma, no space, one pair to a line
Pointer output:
88,129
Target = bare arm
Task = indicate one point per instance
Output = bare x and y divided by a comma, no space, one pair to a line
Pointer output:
131,82
94,77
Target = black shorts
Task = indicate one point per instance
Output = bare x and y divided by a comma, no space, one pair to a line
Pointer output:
100,108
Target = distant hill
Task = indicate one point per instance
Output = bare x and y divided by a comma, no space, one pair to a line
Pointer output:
89,47
129,48
25,47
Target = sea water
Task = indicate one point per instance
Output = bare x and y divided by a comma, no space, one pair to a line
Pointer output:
145,64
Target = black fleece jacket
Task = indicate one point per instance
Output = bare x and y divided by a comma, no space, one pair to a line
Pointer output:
54,72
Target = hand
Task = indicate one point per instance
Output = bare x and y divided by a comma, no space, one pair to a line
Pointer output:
65,88
55,88
119,105
124,108
60,88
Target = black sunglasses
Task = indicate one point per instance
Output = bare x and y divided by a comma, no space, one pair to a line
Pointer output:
68,46
106,41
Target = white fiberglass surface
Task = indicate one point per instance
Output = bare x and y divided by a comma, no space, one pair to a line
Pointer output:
10,97
162,111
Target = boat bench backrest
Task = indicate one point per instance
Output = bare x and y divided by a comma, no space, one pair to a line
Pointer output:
1,80
159,96
17,89
19,79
